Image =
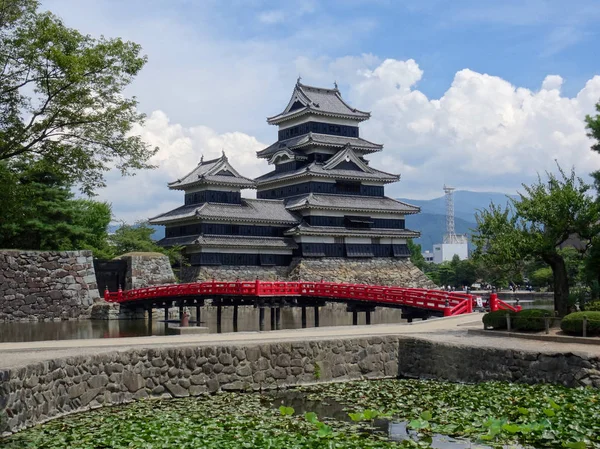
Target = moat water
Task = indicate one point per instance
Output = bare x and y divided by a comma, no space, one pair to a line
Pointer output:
248,320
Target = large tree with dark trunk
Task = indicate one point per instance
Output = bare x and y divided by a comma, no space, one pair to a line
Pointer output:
535,225
62,98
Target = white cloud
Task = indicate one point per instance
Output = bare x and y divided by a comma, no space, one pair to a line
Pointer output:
146,194
271,17
482,134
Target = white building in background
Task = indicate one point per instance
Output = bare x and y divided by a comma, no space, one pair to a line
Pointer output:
444,252
453,244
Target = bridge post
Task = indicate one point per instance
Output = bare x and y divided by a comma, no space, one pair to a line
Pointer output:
261,318
150,319
368,316
316,316
303,317
272,318
180,312
198,315
354,317
166,313
219,319
278,318
235,318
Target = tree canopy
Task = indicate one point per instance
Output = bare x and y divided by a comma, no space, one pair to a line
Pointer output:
537,224
62,97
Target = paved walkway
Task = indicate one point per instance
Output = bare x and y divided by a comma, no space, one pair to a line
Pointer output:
449,330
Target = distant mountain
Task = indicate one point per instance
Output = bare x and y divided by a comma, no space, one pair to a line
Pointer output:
431,222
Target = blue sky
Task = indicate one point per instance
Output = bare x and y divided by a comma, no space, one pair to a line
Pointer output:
477,94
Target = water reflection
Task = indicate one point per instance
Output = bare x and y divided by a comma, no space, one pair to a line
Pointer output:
248,320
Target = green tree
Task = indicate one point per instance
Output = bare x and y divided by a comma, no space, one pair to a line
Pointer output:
416,256
536,224
43,214
542,277
138,238
62,100
593,127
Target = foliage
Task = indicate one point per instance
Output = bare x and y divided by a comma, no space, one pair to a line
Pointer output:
43,214
593,127
62,97
536,225
497,319
593,306
549,416
138,238
456,273
544,415
222,421
532,319
416,255
542,277
573,323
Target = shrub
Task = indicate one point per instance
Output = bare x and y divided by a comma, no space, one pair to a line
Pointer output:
593,306
532,319
497,319
573,323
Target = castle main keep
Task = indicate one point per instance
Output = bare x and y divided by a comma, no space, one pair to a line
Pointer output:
321,202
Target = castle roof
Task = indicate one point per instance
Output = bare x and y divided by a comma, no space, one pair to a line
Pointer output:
320,170
216,172
356,203
250,210
306,229
317,139
316,100
233,241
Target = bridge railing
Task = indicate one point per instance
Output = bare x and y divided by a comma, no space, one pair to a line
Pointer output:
498,304
449,303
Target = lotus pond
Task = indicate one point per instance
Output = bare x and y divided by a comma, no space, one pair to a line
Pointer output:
367,414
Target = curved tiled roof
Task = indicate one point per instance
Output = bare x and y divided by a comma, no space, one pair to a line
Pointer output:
309,99
325,140
350,203
319,170
306,229
250,210
215,171
233,241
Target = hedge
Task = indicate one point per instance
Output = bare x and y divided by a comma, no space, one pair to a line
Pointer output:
532,319
497,319
593,306
573,323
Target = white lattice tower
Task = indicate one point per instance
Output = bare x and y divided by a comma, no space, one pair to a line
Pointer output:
450,236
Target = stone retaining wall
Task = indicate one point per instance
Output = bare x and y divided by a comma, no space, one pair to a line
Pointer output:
147,269
46,285
375,271
50,389
462,363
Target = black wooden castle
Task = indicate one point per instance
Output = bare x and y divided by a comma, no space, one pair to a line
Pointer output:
322,199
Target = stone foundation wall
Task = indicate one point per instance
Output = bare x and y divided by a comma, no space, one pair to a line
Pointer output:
376,271
46,285
232,273
147,269
50,389
433,360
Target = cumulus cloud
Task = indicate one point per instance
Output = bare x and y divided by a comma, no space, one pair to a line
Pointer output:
146,194
483,133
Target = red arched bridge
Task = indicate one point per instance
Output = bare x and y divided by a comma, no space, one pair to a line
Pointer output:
415,302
